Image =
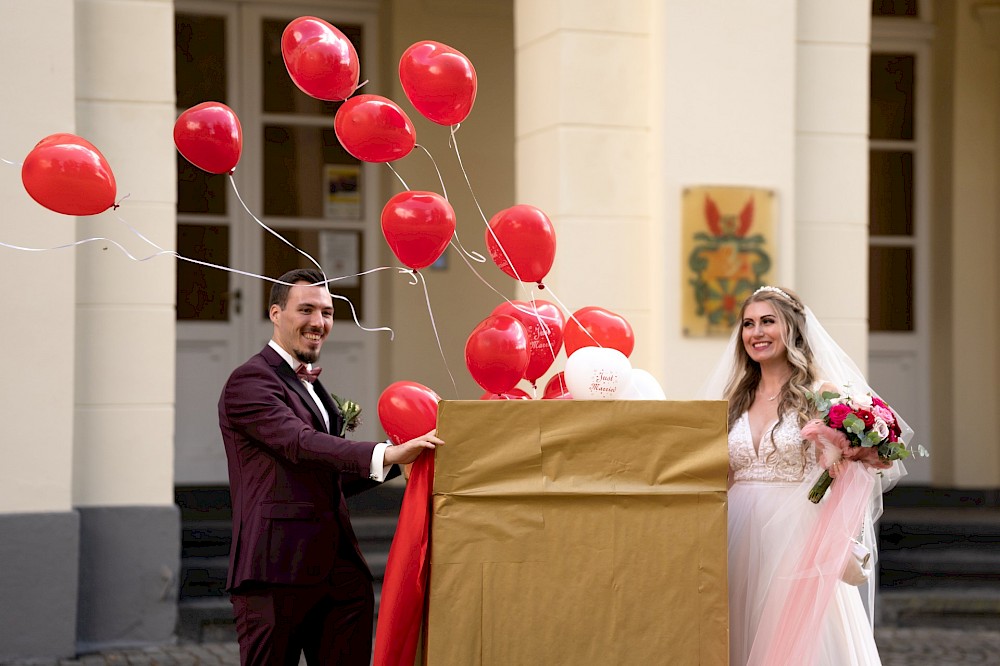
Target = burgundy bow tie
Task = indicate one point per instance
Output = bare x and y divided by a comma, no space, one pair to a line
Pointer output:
308,375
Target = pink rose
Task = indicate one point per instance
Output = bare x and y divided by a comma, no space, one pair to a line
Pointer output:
837,415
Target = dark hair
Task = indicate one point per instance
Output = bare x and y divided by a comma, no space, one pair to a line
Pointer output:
279,291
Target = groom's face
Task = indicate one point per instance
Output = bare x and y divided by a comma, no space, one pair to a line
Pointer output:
304,323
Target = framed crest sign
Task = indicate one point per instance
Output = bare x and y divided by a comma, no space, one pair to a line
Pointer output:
728,244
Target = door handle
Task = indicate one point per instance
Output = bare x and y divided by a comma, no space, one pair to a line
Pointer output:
236,296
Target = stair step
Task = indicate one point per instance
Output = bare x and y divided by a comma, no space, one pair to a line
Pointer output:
974,607
206,538
203,577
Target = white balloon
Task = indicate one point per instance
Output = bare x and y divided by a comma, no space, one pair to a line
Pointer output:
644,387
597,373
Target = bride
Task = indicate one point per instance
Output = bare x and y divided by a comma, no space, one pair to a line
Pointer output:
793,581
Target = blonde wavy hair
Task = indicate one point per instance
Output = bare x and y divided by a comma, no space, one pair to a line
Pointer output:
743,383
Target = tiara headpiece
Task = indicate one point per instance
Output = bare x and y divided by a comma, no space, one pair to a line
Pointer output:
775,290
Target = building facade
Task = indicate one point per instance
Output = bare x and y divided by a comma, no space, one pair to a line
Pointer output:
874,125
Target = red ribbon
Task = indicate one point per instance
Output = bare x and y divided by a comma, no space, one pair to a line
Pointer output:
404,587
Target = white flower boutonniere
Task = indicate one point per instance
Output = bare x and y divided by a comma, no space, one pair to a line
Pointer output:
350,410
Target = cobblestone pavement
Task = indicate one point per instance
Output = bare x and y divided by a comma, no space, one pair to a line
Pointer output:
921,646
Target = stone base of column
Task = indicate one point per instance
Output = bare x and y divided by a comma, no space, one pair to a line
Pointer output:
38,579
129,568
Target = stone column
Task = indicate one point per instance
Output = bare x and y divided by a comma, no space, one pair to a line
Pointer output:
831,166
123,453
38,550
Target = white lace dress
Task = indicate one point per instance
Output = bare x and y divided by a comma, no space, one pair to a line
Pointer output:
768,511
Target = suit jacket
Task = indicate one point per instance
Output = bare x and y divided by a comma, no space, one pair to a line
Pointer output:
288,476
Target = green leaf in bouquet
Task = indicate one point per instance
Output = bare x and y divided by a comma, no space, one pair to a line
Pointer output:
854,425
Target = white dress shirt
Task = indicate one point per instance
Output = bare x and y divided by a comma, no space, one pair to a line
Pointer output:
378,467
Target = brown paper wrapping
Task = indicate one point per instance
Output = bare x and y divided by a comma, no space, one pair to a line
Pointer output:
579,532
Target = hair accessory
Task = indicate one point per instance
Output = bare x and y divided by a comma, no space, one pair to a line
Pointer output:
776,291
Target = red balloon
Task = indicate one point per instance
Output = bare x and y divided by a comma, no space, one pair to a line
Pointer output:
418,227
528,242
555,388
439,81
210,137
496,353
542,350
374,129
320,59
69,175
513,394
407,410
606,328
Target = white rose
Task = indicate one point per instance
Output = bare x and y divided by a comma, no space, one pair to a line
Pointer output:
881,427
863,401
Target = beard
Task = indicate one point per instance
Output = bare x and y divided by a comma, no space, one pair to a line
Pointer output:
307,356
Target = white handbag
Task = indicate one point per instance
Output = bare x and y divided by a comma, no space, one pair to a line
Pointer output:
859,565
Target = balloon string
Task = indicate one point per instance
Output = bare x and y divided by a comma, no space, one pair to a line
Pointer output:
160,251
274,233
444,190
475,256
437,337
573,317
360,86
454,142
396,173
482,279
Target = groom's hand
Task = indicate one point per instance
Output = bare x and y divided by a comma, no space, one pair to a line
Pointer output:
407,452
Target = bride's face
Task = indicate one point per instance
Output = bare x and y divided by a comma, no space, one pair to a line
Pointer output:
762,333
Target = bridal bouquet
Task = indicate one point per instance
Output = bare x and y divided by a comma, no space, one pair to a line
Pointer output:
858,428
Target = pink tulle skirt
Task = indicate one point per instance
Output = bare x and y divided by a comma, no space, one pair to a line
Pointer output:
770,525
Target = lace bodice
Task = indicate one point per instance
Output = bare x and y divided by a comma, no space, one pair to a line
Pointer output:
782,457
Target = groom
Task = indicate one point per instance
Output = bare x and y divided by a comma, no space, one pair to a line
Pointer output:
297,579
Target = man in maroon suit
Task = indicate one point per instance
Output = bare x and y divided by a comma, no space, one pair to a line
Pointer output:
297,579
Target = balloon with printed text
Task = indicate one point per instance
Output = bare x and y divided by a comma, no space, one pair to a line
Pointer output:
210,137
373,128
522,243
407,410
598,373
544,323
69,175
320,59
593,326
439,81
496,353
418,227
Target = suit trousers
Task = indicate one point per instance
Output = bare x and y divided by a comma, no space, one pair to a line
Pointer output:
331,623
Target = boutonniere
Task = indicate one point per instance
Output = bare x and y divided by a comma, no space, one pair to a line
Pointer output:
351,411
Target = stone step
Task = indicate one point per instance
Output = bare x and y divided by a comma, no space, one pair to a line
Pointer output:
969,608
210,620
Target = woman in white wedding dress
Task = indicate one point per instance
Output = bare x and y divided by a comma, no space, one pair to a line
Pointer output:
787,605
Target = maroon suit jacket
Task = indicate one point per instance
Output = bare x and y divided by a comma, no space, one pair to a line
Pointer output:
288,477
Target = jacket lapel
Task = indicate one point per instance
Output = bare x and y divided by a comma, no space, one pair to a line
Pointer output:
291,379
336,418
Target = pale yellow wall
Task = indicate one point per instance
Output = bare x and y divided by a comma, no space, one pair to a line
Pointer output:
724,98
36,389
483,31
584,154
123,453
975,286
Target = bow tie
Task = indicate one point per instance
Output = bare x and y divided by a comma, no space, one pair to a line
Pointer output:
307,375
